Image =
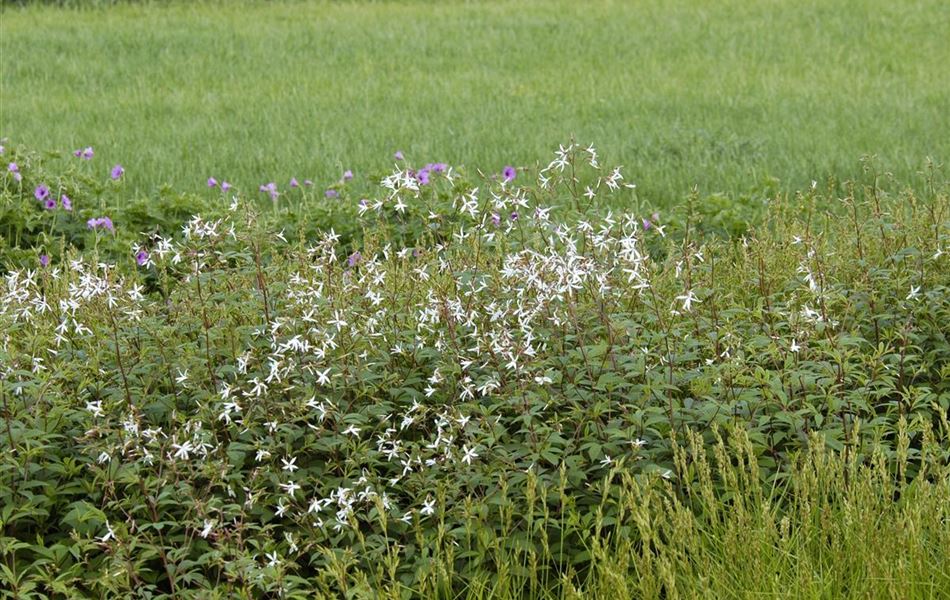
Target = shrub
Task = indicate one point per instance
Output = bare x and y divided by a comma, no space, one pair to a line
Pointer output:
481,377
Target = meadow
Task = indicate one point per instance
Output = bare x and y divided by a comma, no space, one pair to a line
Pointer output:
723,95
390,300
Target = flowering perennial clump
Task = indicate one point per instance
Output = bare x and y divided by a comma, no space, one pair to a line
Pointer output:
273,402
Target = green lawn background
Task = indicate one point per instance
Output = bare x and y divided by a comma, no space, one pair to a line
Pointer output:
717,94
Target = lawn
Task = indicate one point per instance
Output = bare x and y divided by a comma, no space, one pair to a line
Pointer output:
716,94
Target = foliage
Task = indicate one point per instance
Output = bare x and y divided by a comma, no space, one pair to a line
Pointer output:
491,385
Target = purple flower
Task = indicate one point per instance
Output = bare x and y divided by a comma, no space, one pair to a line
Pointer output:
514,216
44,260
294,183
331,194
509,173
423,176
438,167
41,192
117,172
141,257
67,203
49,204
100,223
496,219
212,182
307,182
354,259
13,168
347,175
398,155
656,216
85,153
270,188
2,150
646,224
77,153
225,186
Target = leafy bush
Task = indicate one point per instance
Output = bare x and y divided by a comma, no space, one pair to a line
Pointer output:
478,376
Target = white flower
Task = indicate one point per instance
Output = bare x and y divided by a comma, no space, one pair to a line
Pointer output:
468,455
208,524
914,292
110,534
688,300
182,376
794,347
428,507
289,464
95,408
323,377
352,430
182,450
290,488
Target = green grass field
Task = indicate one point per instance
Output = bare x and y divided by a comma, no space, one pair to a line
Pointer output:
718,94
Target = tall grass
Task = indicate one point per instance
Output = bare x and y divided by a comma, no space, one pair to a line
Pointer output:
835,527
